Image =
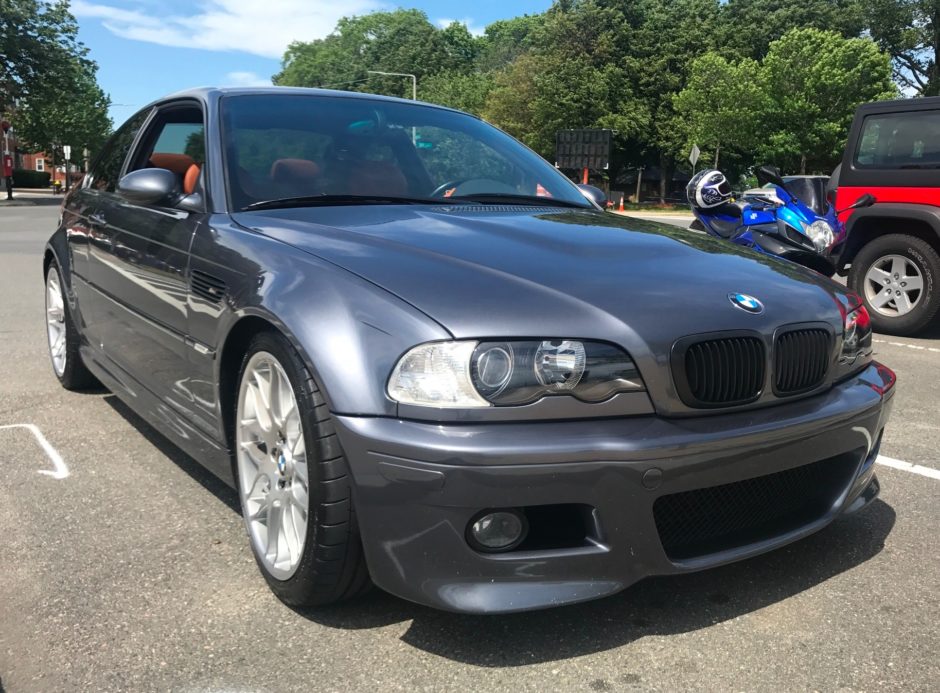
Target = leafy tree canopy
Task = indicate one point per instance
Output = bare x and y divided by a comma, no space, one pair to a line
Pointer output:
49,87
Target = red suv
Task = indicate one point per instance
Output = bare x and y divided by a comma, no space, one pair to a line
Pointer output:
892,247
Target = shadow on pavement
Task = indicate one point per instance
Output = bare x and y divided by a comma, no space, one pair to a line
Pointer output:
31,201
656,606
200,474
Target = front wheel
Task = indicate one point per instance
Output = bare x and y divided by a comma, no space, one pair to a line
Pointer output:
62,336
293,480
897,277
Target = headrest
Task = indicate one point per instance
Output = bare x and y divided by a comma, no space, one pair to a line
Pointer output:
178,163
288,170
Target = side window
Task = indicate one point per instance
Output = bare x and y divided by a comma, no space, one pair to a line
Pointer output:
176,141
899,141
107,167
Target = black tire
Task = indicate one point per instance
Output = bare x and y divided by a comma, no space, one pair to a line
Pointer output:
75,375
921,254
332,566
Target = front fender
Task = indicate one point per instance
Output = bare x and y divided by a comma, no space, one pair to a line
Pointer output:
922,213
350,332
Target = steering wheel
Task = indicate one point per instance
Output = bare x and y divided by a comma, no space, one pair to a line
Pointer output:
441,189
473,186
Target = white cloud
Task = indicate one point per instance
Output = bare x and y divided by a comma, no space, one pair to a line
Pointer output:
245,79
260,27
472,26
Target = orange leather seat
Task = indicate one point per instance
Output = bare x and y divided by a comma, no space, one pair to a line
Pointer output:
191,178
178,163
295,177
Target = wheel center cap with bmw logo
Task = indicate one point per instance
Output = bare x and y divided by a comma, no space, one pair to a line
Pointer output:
746,303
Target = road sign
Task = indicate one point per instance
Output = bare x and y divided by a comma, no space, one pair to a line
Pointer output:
694,154
583,149
67,151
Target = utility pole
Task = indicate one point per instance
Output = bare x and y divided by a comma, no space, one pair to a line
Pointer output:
67,153
639,180
7,159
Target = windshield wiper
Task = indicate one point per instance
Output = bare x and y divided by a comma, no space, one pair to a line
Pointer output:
527,200
329,200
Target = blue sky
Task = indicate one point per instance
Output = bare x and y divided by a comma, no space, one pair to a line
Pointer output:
148,48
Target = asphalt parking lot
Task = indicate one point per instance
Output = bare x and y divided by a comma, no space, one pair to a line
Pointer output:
124,566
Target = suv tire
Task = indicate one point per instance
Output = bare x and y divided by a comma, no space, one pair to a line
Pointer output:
872,278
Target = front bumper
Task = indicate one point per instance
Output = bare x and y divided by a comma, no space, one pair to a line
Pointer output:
418,485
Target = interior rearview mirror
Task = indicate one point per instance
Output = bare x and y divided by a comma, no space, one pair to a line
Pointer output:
149,186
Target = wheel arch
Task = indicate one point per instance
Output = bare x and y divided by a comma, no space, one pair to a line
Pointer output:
920,221
232,352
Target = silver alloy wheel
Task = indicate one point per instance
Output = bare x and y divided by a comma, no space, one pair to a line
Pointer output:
271,454
894,285
55,322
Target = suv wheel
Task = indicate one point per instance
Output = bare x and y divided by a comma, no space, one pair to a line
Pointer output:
897,276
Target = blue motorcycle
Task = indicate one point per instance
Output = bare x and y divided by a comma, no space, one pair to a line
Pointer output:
793,218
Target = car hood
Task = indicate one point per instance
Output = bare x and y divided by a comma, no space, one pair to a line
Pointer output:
525,272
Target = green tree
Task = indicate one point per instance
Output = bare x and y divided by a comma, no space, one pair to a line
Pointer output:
68,109
909,30
667,37
748,27
400,41
721,106
466,91
813,82
38,40
572,76
507,39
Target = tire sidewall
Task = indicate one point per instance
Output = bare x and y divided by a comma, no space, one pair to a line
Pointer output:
924,257
291,589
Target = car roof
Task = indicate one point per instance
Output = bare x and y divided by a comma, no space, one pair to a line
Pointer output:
213,93
918,103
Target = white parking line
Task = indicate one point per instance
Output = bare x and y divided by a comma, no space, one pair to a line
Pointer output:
929,472
917,347
61,470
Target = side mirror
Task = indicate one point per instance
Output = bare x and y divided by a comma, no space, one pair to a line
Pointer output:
866,200
770,174
149,186
595,195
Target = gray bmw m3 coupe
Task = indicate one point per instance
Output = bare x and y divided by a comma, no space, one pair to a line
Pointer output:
429,362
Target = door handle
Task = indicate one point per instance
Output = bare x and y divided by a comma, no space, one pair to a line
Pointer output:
98,218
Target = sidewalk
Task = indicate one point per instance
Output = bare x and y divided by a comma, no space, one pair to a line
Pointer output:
29,198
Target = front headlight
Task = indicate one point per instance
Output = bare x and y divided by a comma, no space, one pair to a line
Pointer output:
821,234
856,332
470,374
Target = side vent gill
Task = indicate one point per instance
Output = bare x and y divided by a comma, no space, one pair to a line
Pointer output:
206,286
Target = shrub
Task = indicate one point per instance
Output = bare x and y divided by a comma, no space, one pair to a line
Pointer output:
25,178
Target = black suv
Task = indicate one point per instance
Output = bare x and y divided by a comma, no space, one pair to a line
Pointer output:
892,247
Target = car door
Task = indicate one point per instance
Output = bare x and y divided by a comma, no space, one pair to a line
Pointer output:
87,237
140,263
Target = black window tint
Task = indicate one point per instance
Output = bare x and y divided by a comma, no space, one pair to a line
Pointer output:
899,141
107,167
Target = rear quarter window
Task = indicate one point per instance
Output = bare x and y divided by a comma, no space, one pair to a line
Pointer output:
899,141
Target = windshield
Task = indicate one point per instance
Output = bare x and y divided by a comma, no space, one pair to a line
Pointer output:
281,146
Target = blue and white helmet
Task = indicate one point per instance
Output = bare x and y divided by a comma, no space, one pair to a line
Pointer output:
708,188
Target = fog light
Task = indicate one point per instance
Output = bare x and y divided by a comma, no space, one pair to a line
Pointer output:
499,530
